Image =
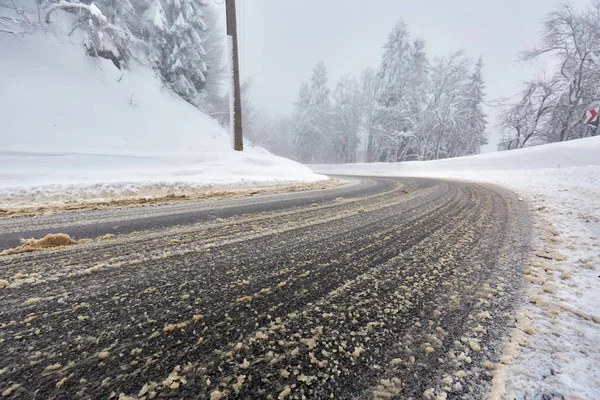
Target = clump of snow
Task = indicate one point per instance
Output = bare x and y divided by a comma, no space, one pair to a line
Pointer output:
216,395
79,123
12,388
175,327
284,393
53,367
197,317
357,351
553,350
32,300
174,380
49,241
244,299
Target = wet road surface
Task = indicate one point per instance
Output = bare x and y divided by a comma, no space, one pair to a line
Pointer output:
384,288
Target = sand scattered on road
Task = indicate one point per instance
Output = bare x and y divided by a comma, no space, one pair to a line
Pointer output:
49,241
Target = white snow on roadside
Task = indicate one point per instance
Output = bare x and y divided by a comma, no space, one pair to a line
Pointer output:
561,183
72,124
40,177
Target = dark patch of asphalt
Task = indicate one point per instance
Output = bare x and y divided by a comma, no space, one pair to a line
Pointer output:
389,288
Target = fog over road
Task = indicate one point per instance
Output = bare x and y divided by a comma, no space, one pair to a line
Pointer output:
383,288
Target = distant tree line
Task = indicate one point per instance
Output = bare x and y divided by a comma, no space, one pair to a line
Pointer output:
414,108
411,108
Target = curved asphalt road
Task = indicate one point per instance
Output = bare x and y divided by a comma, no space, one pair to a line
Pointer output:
384,288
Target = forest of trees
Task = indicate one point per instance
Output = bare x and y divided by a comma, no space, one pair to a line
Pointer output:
411,107
414,108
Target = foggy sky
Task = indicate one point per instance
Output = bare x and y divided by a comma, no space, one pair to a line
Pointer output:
282,40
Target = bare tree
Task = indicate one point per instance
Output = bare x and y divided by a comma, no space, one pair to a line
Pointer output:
574,39
527,119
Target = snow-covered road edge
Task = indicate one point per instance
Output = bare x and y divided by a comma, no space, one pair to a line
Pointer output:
551,350
57,199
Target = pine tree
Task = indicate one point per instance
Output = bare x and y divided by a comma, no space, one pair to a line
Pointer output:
155,16
183,57
394,65
396,128
311,118
346,121
318,114
475,117
304,145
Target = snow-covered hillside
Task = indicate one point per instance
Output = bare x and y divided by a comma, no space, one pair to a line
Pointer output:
69,119
558,357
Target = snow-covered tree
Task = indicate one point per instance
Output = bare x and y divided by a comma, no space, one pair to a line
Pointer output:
574,39
552,109
445,112
410,109
102,38
395,128
312,118
182,57
473,136
155,17
167,34
524,122
345,121
370,86
305,147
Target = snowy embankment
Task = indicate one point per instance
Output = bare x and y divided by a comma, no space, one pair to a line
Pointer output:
75,126
559,357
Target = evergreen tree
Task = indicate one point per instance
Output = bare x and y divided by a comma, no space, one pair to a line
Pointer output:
304,145
311,118
182,62
155,18
475,117
318,114
394,102
346,120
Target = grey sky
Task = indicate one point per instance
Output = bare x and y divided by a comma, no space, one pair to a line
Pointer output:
282,40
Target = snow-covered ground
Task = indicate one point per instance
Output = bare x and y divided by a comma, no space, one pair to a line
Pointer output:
71,124
560,356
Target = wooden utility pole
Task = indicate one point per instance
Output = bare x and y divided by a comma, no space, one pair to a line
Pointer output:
238,138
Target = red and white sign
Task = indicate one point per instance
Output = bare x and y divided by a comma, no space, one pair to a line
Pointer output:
591,117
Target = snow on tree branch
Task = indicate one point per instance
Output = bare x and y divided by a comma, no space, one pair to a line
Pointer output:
65,5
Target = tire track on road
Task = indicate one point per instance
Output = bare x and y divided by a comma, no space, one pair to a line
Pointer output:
394,294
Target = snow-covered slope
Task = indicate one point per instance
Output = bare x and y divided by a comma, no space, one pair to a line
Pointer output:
70,119
552,349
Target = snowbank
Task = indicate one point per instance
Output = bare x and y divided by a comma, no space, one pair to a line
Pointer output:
559,358
70,119
576,153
